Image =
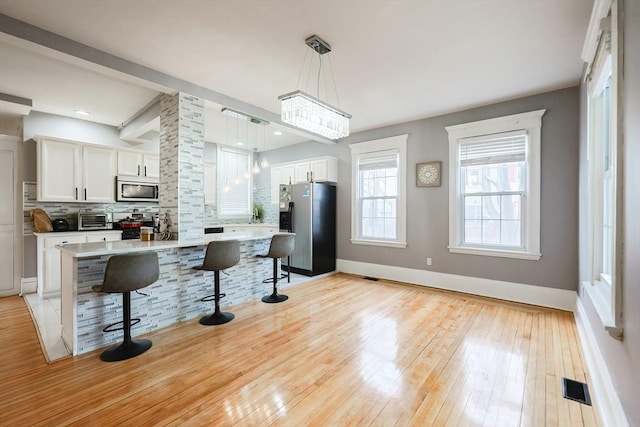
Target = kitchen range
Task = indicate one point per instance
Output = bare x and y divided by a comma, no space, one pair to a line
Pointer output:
130,223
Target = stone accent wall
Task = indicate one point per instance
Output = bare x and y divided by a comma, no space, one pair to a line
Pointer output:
182,165
175,297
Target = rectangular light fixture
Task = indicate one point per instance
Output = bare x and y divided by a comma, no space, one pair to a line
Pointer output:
243,116
306,112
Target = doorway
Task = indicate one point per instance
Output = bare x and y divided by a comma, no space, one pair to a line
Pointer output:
10,215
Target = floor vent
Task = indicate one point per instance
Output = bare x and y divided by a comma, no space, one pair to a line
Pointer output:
576,390
373,279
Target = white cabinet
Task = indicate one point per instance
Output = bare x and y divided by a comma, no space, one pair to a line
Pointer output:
73,172
137,163
96,236
58,170
301,172
98,174
48,256
151,165
321,168
281,174
209,183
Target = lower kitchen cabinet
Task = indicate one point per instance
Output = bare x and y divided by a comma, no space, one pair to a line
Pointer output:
48,256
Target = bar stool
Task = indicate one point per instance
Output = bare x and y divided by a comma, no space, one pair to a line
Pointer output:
220,255
126,273
281,246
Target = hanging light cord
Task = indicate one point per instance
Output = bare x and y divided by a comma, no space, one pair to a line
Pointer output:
335,89
302,69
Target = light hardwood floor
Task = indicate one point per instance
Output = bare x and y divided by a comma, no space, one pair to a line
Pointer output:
341,351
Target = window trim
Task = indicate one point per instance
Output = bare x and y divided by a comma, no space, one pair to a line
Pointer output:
601,55
531,123
359,149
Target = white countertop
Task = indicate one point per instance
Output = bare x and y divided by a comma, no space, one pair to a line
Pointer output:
74,233
82,250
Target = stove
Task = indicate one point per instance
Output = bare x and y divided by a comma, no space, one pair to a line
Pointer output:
130,224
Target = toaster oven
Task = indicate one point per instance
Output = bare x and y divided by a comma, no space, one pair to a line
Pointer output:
95,221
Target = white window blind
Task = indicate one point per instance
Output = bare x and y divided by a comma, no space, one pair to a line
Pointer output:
235,198
505,148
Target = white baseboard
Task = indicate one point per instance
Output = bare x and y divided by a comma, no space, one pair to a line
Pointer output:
609,407
29,285
528,294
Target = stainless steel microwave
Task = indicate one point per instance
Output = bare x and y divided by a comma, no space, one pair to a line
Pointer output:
136,189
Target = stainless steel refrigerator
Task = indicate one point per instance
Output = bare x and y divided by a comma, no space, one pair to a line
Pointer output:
309,210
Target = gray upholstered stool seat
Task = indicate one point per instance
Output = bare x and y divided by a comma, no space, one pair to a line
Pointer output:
220,255
281,246
126,273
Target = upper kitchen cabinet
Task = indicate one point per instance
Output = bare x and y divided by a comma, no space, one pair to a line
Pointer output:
68,171
98,173
316,169
137,163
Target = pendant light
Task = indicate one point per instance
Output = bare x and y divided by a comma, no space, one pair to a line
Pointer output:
265,162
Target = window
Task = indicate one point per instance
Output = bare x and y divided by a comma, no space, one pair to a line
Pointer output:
604,195
378,209
494,190
235,175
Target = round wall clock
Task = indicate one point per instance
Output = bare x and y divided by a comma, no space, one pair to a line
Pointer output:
428,174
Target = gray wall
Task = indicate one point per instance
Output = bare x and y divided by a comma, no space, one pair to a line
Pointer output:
622,357
428,221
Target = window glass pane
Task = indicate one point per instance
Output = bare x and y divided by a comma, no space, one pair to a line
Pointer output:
491,207
390,228
473,207
493,178
510,233
473,231
511,206
491,232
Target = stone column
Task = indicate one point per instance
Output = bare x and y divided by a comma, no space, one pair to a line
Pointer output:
182,166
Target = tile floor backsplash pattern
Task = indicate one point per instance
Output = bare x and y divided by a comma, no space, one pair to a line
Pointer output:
182,164
174,297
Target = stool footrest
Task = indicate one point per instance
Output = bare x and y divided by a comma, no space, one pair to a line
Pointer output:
110,328
212,297
270,279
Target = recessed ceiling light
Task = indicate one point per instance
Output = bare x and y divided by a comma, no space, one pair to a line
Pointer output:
239,143
277,132
82,113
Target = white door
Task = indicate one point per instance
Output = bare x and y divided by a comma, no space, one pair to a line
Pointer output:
10,216
98,174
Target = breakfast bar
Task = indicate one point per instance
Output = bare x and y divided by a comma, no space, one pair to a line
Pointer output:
174,298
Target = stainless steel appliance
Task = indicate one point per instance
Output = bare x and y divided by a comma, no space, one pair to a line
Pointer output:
136,189
309,210
94,220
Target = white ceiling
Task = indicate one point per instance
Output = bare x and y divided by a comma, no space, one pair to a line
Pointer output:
392,61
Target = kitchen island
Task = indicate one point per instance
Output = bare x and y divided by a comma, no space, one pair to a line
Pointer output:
174,298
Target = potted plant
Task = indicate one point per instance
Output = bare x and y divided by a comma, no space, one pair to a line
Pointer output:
258,212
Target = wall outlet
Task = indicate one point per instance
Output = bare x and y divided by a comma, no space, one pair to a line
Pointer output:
428,261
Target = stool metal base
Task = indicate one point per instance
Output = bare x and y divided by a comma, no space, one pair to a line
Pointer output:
275,298
217,318
125,350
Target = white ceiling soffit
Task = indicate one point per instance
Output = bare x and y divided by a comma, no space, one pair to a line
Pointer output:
15,105
392,61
